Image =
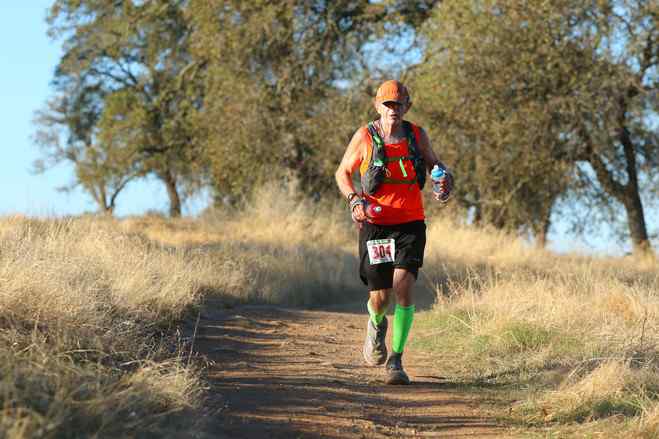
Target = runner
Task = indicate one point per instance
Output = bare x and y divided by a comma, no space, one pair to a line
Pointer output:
393,156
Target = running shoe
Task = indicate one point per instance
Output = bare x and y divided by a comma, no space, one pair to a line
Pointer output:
395,372
375,348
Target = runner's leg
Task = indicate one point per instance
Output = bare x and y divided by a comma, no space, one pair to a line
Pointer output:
375,347
403,283
403,316
404,313
377,304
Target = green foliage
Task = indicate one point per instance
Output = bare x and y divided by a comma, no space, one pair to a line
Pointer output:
485,349
66,132
515,338
531,103
524,336
220,93
522,94
133,59
272,106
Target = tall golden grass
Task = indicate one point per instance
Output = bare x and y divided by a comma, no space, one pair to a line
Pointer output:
89,306
582,330
277,248
81,305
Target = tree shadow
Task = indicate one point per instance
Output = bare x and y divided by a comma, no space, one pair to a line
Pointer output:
265,382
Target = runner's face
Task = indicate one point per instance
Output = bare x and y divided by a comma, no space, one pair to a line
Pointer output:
392,112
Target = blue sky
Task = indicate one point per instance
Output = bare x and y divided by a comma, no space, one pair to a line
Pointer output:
27,58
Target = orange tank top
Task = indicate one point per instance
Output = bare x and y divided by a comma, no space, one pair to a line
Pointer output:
401,203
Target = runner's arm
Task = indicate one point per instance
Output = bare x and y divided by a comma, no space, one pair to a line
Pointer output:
352,158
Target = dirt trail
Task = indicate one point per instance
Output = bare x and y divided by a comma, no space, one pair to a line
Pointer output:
289,373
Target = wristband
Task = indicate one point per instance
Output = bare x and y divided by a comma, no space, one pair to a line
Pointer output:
351,194
355,201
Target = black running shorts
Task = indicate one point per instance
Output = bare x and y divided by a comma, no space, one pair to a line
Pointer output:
410,242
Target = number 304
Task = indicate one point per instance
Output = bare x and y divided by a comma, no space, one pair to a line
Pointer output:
381,251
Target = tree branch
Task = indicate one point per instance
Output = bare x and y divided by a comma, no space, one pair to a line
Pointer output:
118,189
605,178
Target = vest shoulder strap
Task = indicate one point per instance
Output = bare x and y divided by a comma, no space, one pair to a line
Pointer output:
376,148
377,140
411,135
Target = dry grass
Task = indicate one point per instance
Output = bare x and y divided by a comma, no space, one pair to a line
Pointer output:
277,249
81,309
581,332
88,307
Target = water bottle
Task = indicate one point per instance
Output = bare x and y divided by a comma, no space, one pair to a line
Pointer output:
438,175
372,210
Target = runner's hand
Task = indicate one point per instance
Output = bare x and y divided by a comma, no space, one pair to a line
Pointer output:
358,214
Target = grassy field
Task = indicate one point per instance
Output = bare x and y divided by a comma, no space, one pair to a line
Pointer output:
89,310
573,340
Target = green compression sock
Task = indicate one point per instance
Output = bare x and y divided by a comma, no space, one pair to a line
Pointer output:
375,317
403,317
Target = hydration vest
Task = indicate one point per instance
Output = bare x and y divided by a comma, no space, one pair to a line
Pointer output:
376,172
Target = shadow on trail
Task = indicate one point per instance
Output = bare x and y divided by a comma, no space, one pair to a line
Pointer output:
287,373
310,403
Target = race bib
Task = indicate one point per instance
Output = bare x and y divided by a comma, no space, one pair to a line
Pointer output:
381,251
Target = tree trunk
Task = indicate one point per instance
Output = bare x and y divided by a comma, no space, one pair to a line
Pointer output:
542,228
542,232
172,193
478,215
627,194
638,231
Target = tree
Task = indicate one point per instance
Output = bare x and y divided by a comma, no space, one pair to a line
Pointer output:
538,97
283,83
271,69
65,131
222,92
136,55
